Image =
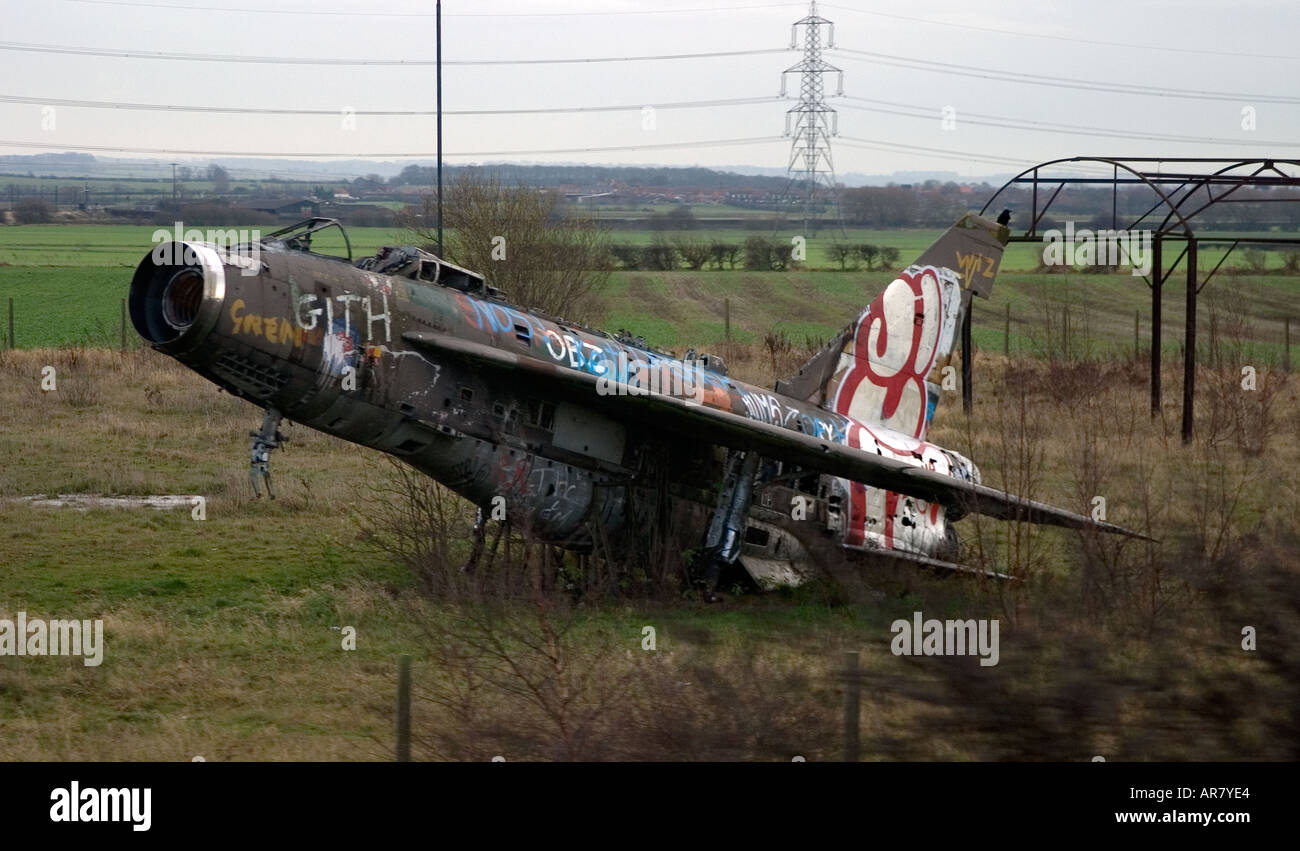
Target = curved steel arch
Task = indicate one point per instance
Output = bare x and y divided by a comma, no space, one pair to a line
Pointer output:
1118,164
1205,182
1177,217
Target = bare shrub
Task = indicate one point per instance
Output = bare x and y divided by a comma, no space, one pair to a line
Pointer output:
533,681
779,347
422,525
32,211
77,377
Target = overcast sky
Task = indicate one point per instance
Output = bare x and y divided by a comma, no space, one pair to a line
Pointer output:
1248,49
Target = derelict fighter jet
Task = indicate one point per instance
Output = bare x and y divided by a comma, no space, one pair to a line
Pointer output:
575,431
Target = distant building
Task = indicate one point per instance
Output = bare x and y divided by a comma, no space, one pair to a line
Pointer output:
284,207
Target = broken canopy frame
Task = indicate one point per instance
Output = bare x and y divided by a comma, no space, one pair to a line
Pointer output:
1177,193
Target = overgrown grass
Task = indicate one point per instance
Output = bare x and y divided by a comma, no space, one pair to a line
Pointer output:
222,642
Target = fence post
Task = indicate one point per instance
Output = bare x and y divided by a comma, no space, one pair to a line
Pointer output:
11,323
1286,343
1065,333
404,708
852,721
726,327
1006,333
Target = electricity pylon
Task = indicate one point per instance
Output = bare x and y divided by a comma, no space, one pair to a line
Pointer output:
811,123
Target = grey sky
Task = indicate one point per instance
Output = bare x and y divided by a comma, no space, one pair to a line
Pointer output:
498,30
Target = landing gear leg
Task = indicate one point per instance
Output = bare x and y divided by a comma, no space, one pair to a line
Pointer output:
263,442
726,532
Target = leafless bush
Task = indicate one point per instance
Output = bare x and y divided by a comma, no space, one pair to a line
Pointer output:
1230,325
533,682
77,379
779,347
1011,547
423,526
1065,331
516,679
1254,260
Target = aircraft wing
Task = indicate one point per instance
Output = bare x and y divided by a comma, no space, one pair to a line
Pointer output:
699,422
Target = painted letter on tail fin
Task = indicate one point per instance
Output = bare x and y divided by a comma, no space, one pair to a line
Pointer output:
886,366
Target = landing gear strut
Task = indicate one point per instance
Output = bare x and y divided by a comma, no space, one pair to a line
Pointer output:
726,532
263,442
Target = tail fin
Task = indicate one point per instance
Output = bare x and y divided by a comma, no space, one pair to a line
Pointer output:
885,367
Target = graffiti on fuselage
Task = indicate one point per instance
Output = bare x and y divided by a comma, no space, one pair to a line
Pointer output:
341,332
876,517
273,329
309,308
887,519
598,356
768,408
603,357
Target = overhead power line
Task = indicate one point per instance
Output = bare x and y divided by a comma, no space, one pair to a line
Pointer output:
894,147
712,143
580,60
1057,82
23,47
240,110
948,153
966,27
984,120
379,14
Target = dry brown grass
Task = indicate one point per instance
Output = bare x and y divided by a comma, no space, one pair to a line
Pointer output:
220,640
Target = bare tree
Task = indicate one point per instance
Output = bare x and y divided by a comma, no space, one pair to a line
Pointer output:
694,252
523,242
843,253
220,179
869,253
32,211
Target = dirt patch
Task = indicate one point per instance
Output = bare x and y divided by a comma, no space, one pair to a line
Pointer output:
87,501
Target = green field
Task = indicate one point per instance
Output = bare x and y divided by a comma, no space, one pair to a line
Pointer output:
67,283
125,245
